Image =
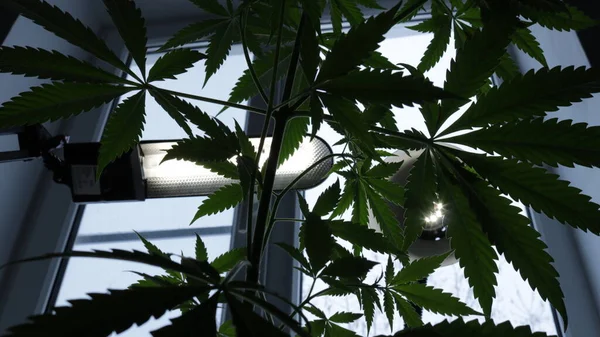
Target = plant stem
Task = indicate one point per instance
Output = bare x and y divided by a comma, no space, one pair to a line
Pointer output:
251,234
261,91
288,220
214,101
291,74
265,200
280,195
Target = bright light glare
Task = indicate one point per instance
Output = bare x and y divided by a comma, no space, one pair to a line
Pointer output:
435,216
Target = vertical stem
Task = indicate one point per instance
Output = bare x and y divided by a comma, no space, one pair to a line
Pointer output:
264,205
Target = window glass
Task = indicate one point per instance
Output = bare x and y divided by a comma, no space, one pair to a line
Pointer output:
515,301
165,222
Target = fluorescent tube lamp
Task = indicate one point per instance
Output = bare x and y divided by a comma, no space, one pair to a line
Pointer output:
182,178
139,174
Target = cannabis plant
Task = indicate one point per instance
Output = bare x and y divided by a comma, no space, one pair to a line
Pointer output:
337,78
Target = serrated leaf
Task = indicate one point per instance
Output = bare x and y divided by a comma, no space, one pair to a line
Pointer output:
352,48
336,17
471,246
348,116
471,69
295,131
389,270
345,317
384,169
523,38
224,168
194,32
201,319
295,253
123,129
434,300
63,25
374,86
507,69
227,329
315,311
123,255
345,201
531,95
104,314
131,25
152,248
472,328
377,60
419,269
573,20
211,126
420,197
349,267
387,189
52,65
226,261
360,235
360,212
218,49
201,252
318,241
350,11
202,149
539,141
310,55
439,43
224,198
537,188
248,323
211,6
50,102
389,224
245,88
410,9
368,300
520,244
328,200
407,312
173,63
388,307
303,207
317,327
281,315
313,10
167,104
334,330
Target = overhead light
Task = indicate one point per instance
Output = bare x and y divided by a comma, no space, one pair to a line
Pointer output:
139,173
433,240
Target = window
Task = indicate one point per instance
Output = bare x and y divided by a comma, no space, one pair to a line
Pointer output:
515,301
165,222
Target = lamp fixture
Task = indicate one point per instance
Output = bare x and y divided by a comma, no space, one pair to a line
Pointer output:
140,174
433,240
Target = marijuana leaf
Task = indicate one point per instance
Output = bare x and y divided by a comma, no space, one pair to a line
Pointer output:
123,129
530,95
224,198
173,63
